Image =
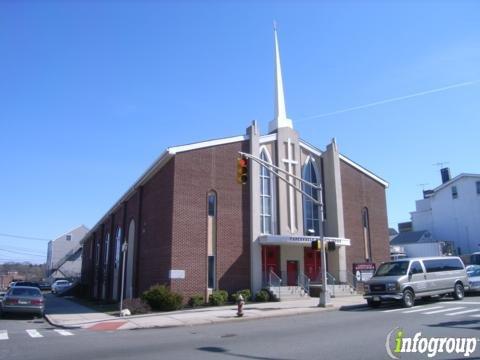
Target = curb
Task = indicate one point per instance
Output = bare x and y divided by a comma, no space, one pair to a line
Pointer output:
70,327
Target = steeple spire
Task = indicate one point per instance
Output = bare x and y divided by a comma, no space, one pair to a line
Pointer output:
280,120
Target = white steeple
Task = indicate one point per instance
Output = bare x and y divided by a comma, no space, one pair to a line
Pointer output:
280,120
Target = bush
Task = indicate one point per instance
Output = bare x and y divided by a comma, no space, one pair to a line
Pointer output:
136,306
218,298
262,296
246,293
160,298
195,301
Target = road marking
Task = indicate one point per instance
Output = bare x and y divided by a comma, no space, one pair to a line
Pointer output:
422,309
443,310
478,315
462,312
3,335
463,302
63,332
34,333
392,310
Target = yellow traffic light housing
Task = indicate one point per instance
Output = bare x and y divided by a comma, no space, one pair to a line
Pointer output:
242,170
316,245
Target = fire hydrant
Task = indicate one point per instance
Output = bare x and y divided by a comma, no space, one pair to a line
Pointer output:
240,303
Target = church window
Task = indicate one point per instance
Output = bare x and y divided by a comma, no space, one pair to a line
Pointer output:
311,216
366,234
211,238
106,249
478,187
266,192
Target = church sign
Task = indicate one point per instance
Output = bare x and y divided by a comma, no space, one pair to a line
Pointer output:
363,271
300,240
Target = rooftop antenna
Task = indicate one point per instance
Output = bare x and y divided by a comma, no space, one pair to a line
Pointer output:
423,186
441,164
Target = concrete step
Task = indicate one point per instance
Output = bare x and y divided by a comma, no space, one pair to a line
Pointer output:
289,293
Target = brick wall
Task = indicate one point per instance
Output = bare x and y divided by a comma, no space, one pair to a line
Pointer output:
361,191
196,173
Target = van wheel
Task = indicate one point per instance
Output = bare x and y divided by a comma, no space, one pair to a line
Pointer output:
374,304
408,299
458,291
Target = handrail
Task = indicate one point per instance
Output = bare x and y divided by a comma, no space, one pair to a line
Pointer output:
331,281
274,281
304,282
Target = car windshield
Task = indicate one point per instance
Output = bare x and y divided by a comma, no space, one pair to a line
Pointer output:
472,273
393,269
63,282
25,292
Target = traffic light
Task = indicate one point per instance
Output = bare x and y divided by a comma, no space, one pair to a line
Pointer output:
331,246
242,170
316,245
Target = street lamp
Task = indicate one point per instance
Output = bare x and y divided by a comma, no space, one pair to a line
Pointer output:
124,252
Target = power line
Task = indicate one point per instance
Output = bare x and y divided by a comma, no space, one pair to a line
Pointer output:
24,237
21,253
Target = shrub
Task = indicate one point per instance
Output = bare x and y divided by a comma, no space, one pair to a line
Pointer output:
246,293
136,306
160,298
195,301
218,297
262,296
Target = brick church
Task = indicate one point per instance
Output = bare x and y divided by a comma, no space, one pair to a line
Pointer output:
196,229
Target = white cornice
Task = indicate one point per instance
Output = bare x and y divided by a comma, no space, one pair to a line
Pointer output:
182,148
310,148
363,170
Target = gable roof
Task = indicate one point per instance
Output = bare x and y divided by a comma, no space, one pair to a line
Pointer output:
455,179
410,237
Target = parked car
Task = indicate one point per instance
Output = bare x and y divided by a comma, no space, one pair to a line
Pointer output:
23,299
406,280
474,279
45,286
472,267
27,283
60,285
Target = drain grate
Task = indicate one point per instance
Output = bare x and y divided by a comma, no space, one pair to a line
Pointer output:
228,335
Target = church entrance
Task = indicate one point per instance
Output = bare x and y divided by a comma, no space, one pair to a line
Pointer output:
292,273
312,263
270,260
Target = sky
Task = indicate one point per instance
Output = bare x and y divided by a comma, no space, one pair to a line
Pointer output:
91,92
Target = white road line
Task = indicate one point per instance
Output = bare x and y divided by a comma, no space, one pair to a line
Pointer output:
34,333
392,310
63,332
478,315
462,312
422,309
463,302
3,335
443,310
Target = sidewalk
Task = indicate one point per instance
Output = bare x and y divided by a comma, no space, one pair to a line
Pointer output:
68,314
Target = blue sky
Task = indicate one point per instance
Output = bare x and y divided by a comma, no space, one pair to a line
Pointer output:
92,92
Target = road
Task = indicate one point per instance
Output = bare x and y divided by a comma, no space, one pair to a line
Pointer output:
358,333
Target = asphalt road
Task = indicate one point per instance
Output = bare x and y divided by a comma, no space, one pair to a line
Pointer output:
351,334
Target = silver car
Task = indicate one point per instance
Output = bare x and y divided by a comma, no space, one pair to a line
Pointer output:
408,279
474,279
23,299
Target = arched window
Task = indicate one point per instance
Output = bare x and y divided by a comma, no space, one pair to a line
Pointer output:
116,263
212,238
311,217
130,260
366,234
266,196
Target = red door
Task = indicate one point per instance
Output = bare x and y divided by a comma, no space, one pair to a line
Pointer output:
312,263
292,272
271,259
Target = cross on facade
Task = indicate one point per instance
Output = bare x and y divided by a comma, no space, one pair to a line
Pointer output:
290,162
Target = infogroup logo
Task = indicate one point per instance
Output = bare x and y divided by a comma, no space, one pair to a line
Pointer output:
397,343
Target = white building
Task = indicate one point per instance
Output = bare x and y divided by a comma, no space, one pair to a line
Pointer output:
63,256
451,212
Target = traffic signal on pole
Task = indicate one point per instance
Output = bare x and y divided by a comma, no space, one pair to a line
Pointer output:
316,245
242,170
331,246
